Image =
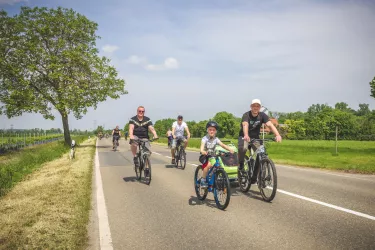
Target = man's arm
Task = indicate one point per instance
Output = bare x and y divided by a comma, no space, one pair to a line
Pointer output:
274,130
151,128
187,131
131,129
245,128
113,131
226,147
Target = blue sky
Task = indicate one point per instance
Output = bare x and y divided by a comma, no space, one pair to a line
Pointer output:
197,58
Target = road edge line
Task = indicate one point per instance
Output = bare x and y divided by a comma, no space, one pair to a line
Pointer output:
104,230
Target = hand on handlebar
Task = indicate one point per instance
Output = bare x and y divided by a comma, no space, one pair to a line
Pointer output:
204,153
246,138
278,138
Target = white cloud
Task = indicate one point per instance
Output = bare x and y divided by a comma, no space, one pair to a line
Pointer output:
109,48
169,63
11,2
136,60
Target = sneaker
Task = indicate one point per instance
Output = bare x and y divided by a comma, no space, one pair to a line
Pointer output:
135,160
173,161
203,183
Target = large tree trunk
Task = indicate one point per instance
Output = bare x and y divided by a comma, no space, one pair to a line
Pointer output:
64,117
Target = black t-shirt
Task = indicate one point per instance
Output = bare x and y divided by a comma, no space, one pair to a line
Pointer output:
141,127
116,132
255,122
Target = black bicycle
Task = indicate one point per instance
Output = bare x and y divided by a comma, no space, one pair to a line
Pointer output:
180,154
144,164
266,176
115,142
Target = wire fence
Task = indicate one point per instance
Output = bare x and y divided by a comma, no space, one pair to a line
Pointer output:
17,141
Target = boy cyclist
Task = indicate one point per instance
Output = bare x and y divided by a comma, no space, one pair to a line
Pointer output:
208,145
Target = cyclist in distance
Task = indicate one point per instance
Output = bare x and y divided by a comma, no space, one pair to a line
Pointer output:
207,149
139,126
250,129
178,129
116,134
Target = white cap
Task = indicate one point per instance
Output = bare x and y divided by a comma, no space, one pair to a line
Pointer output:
256,101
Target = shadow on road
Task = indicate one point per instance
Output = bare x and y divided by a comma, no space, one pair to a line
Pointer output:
133,179
252,194
104,146
170,166
194,201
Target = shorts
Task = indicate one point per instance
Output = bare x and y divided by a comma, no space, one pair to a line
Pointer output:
115,137
180,138
147,144
204,158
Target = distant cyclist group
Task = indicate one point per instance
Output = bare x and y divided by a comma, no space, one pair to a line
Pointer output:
252,120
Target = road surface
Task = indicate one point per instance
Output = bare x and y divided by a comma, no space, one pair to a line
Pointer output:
313,209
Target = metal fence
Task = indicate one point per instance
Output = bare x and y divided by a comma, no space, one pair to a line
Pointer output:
16,141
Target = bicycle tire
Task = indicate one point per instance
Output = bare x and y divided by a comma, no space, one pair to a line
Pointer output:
176,157
197,185
222,184
182,158
244,177
147,165
138,171
270,170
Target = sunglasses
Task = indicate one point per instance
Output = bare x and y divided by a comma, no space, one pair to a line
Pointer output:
141,111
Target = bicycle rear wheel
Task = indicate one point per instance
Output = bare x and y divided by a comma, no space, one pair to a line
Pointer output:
201,192
243,177
267,180
221,189
147,170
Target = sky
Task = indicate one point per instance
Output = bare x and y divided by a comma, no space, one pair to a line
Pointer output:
197,58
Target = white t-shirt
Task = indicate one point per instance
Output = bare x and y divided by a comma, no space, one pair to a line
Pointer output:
210,144
179,129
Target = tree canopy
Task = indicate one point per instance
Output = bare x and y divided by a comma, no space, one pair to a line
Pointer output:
49,61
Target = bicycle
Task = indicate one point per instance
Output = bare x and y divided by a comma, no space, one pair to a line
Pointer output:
144,163
266,176
218,183
115,143
180,154
72,150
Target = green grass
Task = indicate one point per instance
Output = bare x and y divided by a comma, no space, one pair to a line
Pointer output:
353,156
16,165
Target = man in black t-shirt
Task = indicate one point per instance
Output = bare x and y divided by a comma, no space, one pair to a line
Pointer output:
138,129
250,128
116,134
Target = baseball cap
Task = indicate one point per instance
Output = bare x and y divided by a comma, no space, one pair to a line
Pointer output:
256,101
180,117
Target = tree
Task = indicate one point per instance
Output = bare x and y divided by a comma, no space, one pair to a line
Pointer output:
48,60
363,109
227,123
372,85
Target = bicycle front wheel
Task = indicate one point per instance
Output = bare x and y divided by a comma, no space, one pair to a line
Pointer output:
221,189
147,170
243,177
267,180
137,169
182,158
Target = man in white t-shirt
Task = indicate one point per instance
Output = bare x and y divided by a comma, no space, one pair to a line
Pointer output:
178,129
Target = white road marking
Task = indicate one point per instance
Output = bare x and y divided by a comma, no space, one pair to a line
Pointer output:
194,164
104,230
156,153
168,157
328,205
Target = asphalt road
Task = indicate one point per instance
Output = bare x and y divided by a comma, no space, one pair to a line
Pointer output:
167,214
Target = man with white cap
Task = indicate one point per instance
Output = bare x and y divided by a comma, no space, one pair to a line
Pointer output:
250,128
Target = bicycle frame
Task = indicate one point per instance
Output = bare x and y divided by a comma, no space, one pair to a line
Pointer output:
210,178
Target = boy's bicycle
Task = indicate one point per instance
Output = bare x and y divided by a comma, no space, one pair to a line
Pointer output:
218,183
180,154
144,163
266,176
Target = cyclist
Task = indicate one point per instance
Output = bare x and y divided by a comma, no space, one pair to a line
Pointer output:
178,129
250,128
169,136
116,133
100,135
126,135
138,129
207,150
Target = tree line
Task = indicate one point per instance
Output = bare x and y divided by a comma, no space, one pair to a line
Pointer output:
319,122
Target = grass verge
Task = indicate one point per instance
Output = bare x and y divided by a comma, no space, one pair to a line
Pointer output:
353,156
49,209
16,165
